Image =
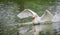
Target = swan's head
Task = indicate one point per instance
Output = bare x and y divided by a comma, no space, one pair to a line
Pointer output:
35,16
36,19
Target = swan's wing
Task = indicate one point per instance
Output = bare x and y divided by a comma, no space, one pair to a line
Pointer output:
47,16
26,13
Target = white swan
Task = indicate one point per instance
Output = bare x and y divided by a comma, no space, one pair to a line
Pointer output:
27,13
47,16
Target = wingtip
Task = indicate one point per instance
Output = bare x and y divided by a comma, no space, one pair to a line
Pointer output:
27,9
47,10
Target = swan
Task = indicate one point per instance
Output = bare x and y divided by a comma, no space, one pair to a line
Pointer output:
29,13
47,16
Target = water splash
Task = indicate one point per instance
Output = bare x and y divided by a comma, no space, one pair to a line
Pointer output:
56,20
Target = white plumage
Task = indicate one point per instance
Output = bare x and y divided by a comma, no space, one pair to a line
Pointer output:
47,16
26,13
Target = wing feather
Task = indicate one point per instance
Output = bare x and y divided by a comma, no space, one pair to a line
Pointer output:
26,13
47,16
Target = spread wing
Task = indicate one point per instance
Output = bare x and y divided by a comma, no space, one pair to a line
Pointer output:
47,16
26,13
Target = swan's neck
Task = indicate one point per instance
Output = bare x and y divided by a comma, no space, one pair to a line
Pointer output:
35,19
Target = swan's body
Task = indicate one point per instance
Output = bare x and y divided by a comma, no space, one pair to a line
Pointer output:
45,17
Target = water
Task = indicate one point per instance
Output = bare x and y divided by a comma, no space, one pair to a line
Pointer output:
7,18
56,20
10,24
